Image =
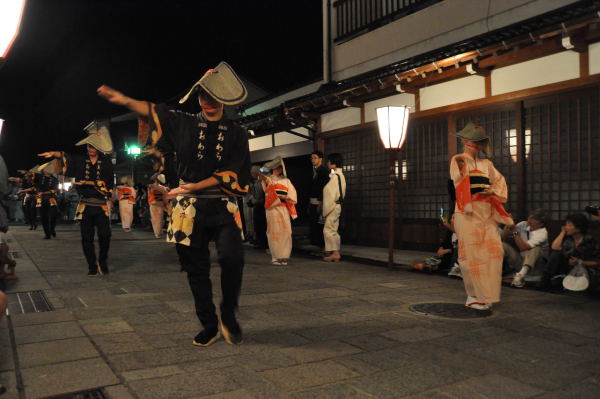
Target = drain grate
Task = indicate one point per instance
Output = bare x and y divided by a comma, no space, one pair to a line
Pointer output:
28,302
449,310
89,394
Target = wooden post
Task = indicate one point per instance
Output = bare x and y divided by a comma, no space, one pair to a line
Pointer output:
393,156
522,188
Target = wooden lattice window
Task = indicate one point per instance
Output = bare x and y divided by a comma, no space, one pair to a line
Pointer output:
365,168
422,170
562,161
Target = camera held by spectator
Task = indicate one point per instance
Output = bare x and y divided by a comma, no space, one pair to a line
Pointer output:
593,211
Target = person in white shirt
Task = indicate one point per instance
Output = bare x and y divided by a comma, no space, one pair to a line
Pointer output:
531,242
334,193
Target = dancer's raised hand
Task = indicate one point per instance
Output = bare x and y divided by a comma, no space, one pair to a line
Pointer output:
112,95
49,154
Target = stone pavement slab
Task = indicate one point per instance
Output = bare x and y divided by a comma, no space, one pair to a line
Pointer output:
51,352
183,386
308,375
47,332
312,330
53,379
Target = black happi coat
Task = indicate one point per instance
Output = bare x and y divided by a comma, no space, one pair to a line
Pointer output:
202,149
48,183
82,169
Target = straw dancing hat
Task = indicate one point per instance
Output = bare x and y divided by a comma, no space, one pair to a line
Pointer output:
276,163
473,132
222,84
53,167
99,139
127,180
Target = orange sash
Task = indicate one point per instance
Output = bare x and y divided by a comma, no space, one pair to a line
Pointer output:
154,196
464,198
274,190
125,193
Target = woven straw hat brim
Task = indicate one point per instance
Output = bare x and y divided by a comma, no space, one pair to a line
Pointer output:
100,140
223,85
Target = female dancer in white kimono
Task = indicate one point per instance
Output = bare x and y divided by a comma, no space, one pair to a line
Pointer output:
480,192
280,200
157,202
126,197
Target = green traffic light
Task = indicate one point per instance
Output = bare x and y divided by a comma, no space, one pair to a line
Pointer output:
134,150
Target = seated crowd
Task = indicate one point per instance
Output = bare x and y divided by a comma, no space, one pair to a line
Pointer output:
572,258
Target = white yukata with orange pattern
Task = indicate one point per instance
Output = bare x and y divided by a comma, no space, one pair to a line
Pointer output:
480,250
279,224
126,196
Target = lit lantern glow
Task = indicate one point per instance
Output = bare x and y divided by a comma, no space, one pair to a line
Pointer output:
393,124
11,12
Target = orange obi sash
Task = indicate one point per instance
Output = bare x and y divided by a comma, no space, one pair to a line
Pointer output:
154,196
274,190
468,189
125,193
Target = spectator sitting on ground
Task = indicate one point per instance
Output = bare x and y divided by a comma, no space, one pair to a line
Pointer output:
449,251
571,247
446,256
530,249
2,311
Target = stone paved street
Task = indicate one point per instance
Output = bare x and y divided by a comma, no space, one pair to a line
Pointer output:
312,330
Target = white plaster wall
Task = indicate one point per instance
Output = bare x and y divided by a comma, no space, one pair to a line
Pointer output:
398,99
431,28
283,138
452,92
260,143
594,55
340,118
541,71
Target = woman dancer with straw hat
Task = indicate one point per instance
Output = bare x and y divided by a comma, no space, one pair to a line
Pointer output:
480,192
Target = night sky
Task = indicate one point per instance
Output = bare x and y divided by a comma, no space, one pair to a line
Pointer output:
151,50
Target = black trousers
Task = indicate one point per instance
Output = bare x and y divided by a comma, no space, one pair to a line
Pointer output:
259,218
316,229
48,214
557,264
95,218
196,262
30,212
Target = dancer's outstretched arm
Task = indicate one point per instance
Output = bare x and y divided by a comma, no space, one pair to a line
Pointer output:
116,97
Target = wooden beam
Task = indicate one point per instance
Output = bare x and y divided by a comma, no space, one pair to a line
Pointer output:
500,99
351,102
406,88
474,69
584,64
417,101
319,143
553,88
488,85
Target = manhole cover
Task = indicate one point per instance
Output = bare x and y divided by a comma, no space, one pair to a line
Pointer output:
28,302
450,310
90,394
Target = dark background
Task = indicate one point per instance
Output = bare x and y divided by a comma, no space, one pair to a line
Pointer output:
151,50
